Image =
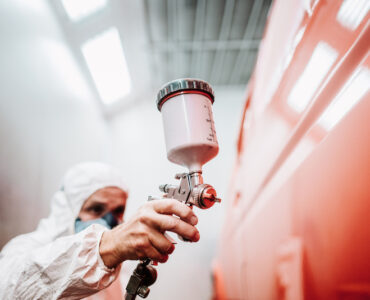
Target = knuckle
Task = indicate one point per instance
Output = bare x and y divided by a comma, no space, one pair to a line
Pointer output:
172,223
188,213
170,204
141,243
141,231
143,217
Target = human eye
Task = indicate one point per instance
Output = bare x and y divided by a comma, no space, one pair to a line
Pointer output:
119,210
97,209
118,213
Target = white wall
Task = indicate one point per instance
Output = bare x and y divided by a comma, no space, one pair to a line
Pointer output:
49,120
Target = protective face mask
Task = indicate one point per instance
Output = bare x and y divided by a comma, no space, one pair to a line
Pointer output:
108,221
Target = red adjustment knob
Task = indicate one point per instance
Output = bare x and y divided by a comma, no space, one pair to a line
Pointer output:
206,196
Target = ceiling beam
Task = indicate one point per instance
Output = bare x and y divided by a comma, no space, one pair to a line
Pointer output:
241,61
227,19
204,45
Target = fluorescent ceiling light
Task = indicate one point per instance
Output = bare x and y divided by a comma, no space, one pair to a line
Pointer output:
321,61
79,9
106,62
354,90
352,12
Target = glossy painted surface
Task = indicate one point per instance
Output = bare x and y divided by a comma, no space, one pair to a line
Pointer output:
298,221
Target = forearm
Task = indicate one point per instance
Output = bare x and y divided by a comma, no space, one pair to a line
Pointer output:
68,268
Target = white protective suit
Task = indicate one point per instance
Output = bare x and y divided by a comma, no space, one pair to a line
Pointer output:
53,262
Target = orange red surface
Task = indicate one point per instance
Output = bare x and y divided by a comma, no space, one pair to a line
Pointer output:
298,220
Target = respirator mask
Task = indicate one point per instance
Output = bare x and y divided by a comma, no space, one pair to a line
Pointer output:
108,221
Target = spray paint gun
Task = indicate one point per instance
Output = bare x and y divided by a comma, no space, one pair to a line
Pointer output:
186,107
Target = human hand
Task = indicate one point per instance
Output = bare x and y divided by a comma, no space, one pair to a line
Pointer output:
143,235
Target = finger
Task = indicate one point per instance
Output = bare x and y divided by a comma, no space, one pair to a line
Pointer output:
174,207
143,247
170,223
155,255
160,242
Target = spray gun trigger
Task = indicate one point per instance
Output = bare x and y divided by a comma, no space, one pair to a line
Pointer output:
151,198
180,175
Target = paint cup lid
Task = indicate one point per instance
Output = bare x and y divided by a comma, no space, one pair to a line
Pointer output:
184,85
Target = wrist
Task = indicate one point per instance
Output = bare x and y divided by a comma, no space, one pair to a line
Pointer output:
107,250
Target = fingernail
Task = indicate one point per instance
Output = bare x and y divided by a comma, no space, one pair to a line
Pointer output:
196,237
164,259
172,248
194,220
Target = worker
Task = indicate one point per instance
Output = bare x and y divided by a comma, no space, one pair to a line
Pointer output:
78,250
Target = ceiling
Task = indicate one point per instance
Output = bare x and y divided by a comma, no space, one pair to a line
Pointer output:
215,40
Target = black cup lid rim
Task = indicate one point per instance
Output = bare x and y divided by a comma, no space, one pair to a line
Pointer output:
183,84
